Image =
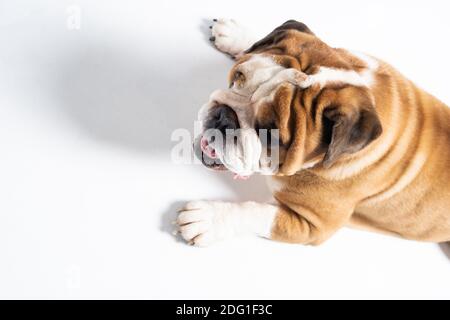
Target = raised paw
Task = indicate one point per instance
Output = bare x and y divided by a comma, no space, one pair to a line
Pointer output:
230,37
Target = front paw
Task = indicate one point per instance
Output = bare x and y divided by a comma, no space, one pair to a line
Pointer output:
203,223
230,37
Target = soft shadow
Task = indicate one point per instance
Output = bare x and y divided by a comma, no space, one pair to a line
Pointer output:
168,217
445,247
206,30
134,100
245,191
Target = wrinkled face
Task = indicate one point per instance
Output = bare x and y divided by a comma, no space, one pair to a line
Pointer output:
292,102
234,137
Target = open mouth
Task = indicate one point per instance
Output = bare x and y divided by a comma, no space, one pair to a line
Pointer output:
207,154
207,148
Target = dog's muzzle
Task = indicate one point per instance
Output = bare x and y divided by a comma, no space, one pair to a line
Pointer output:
221,119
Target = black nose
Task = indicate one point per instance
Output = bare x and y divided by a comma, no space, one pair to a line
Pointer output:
222,117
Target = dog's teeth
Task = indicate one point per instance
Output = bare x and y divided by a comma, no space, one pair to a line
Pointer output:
175,232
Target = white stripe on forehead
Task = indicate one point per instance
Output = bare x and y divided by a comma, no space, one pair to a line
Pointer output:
263,75
258,70
327,75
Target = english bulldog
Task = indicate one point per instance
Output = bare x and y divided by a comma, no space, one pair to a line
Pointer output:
358,144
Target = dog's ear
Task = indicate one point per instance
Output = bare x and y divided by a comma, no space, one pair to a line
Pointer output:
295,25
278,34
351,130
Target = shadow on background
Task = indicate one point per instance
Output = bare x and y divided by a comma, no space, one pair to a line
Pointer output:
168,217
135,100
445,247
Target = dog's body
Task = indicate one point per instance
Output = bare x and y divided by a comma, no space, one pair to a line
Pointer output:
360,144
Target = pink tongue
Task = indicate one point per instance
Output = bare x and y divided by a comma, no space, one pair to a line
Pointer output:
207,149
239,177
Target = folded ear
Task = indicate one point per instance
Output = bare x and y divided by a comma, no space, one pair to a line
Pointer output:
352,129
278,34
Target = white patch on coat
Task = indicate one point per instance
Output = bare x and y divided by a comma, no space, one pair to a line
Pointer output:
327,75
267,89
258,70
262,76
311,164
203,223
372,63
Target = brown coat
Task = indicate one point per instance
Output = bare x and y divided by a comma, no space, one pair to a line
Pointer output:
380,156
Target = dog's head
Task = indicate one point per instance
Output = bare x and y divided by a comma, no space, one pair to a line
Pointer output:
293,102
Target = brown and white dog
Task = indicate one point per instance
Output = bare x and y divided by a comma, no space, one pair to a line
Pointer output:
360,145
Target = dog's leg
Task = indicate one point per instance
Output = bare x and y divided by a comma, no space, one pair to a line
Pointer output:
204,222
230,37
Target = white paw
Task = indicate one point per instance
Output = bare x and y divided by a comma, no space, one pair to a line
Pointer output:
230,37
202,223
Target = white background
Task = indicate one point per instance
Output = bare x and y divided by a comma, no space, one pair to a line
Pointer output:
87,187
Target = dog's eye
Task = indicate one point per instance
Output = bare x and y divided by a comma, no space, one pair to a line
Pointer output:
238,79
